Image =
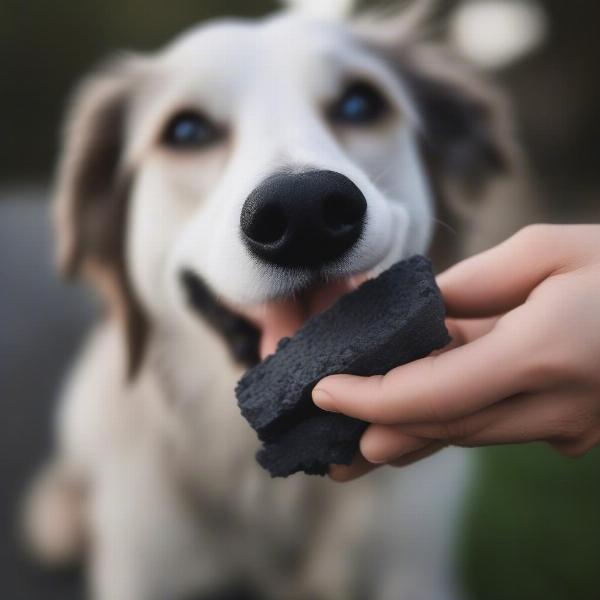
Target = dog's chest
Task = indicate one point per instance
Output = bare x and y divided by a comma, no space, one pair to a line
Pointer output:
195,378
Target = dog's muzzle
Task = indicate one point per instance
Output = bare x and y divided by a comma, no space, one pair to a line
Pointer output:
303,220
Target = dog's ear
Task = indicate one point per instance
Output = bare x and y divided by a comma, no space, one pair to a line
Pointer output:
463,123
91,194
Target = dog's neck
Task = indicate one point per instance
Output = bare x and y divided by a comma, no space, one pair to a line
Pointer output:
204,434
191,362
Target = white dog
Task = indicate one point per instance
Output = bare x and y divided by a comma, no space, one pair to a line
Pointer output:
217,193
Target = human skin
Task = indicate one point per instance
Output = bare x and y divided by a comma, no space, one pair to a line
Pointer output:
523,366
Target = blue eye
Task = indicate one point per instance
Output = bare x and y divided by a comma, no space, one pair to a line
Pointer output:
361,104
189,129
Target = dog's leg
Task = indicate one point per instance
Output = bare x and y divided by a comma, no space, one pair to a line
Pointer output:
332,570
54,516
146,539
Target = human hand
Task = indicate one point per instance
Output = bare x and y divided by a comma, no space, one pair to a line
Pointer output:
524,364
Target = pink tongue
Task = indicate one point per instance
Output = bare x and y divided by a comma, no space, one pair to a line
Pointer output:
284,317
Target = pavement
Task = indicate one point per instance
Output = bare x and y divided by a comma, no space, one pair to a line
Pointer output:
42,322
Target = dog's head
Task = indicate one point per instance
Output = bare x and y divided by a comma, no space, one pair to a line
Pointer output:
257,170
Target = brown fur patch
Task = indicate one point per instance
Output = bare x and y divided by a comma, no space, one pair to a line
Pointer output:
91,199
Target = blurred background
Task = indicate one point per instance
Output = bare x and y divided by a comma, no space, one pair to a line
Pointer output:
531,519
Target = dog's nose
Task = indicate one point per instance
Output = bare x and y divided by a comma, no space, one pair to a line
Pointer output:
303,220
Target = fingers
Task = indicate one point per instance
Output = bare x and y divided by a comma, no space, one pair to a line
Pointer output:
380,442
464,331
412,451
523,418
500,279
359,467
553,418
409,459
434,389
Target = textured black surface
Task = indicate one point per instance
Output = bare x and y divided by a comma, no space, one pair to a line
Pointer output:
391,320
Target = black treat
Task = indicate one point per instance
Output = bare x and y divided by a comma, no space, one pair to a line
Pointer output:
388,321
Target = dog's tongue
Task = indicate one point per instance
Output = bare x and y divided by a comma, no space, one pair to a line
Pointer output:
282,318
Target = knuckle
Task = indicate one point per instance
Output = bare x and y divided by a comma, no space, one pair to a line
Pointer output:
377,411
549,366
532,235
435,410
456,430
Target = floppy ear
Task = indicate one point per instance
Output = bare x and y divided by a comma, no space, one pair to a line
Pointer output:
463,123
92,193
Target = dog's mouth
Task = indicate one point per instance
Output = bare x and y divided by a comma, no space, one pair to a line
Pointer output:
283,317
252,332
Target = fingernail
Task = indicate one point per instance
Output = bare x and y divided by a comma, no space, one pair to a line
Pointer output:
323,399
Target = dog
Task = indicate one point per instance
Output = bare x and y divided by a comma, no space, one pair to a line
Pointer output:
216,194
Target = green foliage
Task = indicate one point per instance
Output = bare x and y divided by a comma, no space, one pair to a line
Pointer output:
532,526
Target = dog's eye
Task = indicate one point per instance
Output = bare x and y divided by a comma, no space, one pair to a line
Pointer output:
361,104
190,129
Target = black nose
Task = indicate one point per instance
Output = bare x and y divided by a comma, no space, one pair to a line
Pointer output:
303,220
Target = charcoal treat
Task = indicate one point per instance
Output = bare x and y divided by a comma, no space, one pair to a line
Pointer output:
388,321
